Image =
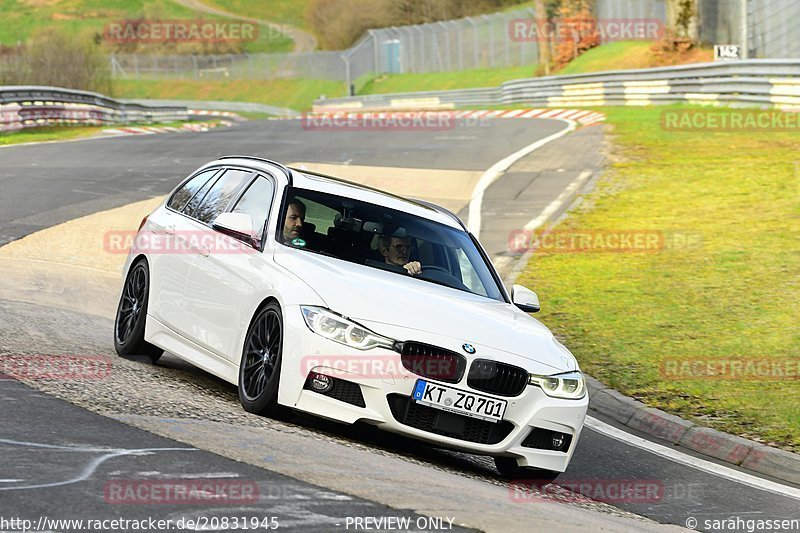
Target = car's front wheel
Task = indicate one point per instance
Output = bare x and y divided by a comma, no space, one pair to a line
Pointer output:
509,469
260,368
131,316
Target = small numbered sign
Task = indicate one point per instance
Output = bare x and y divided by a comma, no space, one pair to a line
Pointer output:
727,52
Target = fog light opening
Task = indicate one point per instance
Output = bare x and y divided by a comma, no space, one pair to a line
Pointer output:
321,383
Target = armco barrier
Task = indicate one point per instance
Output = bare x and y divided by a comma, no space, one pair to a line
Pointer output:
753,82
22,107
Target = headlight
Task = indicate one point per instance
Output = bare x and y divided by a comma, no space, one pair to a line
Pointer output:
569,386
336,328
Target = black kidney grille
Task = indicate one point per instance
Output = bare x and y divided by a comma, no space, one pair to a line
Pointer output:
447,424
497,378
432,362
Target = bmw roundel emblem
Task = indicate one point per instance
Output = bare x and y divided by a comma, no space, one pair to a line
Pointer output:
470,349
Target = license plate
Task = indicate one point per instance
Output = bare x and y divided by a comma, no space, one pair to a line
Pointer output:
459,401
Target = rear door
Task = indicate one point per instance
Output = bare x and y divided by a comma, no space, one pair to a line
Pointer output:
169,262
224,282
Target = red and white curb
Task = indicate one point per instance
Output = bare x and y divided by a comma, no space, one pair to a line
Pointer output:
208,112
149,130
582,117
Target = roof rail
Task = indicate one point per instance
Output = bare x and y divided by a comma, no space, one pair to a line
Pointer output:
283,167
442,210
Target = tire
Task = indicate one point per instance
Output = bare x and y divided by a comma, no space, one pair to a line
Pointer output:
510,470
260,367
131,316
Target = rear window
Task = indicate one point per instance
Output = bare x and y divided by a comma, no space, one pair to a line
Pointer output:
189,189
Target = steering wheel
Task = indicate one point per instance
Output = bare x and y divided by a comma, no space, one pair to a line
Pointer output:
435,267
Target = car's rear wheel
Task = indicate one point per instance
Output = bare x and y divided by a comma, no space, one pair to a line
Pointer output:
131,316
509,469
260,368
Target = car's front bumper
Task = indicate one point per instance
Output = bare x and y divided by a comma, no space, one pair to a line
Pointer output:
380,376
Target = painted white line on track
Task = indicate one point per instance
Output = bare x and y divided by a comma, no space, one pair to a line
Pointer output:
689,460
488,177
556,204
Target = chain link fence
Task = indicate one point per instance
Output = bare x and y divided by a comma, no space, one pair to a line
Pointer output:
474,42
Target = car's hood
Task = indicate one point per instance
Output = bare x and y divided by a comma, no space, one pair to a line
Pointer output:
390,304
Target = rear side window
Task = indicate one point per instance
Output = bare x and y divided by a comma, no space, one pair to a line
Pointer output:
189,189
256,202
192,204
220,195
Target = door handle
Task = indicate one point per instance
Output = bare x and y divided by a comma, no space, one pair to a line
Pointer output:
169,230
204,250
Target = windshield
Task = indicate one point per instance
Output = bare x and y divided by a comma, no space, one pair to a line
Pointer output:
379,237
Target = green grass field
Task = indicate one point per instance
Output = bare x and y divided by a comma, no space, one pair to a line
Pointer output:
436,81
611,56
280,11
297,94
736,296
21,18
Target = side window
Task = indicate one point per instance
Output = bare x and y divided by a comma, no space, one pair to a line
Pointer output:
192,204
220,195
256,202
468,274
189,189
321,216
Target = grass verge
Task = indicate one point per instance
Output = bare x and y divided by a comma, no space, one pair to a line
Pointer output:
736,296
442,81
52,133
66,133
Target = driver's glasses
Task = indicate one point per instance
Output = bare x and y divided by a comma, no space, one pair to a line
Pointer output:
401,247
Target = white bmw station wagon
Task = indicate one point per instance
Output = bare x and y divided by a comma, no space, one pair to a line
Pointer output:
316,294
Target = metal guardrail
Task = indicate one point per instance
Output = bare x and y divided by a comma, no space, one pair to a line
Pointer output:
753,82
23,107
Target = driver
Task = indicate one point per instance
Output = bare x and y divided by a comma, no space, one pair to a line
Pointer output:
396,251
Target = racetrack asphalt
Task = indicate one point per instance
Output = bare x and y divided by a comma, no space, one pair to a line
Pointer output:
44,185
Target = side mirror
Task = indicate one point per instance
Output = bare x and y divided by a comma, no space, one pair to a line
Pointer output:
525,299
237,225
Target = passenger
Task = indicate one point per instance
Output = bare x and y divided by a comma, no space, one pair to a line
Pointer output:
295,216
396,251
